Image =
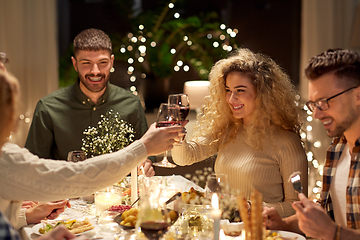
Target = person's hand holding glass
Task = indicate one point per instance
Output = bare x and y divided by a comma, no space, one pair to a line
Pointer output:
168,115
182,100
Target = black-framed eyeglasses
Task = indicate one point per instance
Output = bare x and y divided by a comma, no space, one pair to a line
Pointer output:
322,104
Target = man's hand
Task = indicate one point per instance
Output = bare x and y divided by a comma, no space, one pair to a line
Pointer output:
313,220
159,140
146,167
272,219
45,210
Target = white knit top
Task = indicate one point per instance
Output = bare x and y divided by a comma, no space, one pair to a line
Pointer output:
266,170
24,176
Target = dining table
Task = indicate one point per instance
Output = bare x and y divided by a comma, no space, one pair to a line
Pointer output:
81,208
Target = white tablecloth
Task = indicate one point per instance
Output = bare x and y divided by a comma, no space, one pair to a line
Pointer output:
81,209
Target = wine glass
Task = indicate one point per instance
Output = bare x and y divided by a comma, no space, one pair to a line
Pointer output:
76,156
168,115
153,218
182,100
217,183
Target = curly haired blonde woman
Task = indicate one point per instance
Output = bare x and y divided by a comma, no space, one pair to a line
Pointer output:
252,122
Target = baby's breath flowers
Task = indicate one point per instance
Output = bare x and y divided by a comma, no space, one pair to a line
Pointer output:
110,135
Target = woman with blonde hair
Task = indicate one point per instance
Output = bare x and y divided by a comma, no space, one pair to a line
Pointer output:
251,121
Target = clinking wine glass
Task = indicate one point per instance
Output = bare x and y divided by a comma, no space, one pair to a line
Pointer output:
182,100
168,115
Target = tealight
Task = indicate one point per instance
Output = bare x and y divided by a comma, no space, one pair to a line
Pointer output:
106,199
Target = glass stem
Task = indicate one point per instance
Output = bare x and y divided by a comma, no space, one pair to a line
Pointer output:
165,156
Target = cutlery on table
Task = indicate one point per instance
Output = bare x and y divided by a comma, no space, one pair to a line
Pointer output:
296,181
173,198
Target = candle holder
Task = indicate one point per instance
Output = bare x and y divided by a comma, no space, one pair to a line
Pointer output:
106,198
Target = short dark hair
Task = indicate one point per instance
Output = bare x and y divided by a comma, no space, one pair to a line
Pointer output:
92,40
343,63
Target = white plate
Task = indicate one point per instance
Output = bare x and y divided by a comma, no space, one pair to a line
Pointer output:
37,227
290,235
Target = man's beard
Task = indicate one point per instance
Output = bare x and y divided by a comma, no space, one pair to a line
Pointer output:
344,125
93,87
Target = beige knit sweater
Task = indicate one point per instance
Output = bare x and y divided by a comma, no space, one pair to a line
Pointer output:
266,170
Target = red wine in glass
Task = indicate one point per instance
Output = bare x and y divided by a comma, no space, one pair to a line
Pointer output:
168,115
166,123
184,112
154,230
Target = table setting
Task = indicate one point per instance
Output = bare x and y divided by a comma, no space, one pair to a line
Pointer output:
189,220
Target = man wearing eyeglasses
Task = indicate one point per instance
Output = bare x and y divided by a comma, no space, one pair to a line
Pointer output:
334,93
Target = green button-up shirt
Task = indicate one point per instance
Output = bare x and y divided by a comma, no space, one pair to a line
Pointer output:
61,117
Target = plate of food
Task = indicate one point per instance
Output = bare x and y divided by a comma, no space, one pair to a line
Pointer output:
75,226
127,219
285,235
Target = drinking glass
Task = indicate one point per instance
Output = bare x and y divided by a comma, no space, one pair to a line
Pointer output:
153,218
217,183
168,115
76,156
106,198
182,100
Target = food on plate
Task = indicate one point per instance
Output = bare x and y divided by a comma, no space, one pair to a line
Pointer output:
119,208
74,226
270,235
173,215
129,217
192,196
231,213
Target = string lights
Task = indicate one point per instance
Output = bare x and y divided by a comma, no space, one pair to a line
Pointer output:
315,169
174,44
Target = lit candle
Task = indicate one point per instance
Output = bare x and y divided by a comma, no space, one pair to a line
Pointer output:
216,215
134,186
104,200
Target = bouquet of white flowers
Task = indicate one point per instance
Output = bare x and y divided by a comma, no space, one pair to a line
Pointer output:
110,135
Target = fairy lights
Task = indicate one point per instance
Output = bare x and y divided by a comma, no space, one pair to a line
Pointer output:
315,168
179,63
138,48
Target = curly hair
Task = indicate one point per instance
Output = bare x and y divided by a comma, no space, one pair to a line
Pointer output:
343,63
275,100
9,98
92,40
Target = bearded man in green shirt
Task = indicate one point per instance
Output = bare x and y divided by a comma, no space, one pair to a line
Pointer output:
60,118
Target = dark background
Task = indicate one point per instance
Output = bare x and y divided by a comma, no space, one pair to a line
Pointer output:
268,26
